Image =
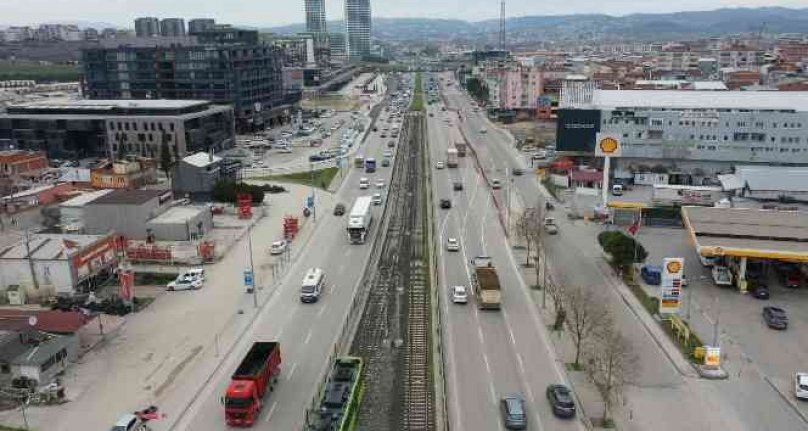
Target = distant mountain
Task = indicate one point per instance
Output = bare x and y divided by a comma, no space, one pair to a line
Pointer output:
631,27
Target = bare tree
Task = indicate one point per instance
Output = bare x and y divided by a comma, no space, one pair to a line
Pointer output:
527,225
610,365
586,316
558,294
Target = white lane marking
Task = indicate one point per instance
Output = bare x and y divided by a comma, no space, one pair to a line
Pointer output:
482,222
487,364
291,371
493,394
308,337
322,310
480,334
271,411
510,334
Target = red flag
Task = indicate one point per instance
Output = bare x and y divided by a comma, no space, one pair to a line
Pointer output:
634,227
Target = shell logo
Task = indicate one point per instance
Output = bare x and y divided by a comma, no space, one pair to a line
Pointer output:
608,145
674,267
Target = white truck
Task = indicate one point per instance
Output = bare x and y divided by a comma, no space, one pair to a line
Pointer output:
451,157
359,220
676,195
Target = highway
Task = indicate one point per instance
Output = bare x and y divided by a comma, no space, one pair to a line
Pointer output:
657,387
307,332
488,354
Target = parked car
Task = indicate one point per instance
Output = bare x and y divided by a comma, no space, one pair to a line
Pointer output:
483,131
760,291
278,247
440,165
801,386
184,283
775,317
708,261
452,244
339,209
518,171
460,295
791,279
560,399
445,204
651,274
722,276
513,412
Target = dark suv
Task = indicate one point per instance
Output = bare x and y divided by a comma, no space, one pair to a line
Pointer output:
339,210
560,400
775,317
445,204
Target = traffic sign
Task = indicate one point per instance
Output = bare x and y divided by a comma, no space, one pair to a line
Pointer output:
248,278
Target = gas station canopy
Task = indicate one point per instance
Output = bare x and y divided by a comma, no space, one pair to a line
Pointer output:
751,233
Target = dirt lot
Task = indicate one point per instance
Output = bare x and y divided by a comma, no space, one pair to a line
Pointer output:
541,134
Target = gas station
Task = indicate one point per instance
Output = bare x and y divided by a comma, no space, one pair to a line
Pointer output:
742,234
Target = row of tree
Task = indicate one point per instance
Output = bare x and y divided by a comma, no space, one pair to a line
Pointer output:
600,349
477,89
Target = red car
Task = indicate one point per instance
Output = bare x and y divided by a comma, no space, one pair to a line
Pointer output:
792,279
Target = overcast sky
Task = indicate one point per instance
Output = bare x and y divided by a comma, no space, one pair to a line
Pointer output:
277,12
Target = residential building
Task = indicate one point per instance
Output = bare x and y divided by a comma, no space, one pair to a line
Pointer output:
693,135
194,176
58,264
147,27
315,16
103,128
223,65
200,25
124,174
357,28
91,34
19,34
172,27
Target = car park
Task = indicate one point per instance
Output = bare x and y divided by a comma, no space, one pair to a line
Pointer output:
278,247
560,399
512,408
775,317
460,295
452,244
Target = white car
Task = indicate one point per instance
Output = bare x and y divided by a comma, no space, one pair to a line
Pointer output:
184,282
452,244
364,183
376,199
379,184
388,153
801,386
460,295
278,247
440,165
483,131
722,276
287,134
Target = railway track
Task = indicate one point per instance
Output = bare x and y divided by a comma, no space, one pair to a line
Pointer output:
393,336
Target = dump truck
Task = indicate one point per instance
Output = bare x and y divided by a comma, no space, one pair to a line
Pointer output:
256,375
486,283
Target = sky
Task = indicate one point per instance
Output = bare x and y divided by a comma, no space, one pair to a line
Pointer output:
267,13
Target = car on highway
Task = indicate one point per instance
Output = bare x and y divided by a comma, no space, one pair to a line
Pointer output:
383,135
560,399
287,134
452,244
364,183
278,247
184,282
376,199
391,144
513,412
721,276
518,171
483,130
457,186
445,204
550,225
496,184
388,153
379,184
385,162
339,209
801,386
460,295
440,165
775,317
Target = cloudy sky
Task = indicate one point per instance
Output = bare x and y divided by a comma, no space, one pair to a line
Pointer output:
278,12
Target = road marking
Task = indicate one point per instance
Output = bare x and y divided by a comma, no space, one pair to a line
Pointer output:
480,334
308,337
510,334
291,371
487,364
492,392
271,411
320,312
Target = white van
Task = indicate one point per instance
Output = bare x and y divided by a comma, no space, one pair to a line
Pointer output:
364,183
617,190
312,285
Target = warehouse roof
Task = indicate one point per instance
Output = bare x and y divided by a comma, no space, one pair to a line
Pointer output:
49,246
180,214
745,232
683,99
129,197
773,178
85,198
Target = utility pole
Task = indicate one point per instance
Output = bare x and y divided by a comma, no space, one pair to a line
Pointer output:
252,269
30,258
717,321
313,206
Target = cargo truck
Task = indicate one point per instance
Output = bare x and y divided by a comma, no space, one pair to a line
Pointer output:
451,157
359,162
461,149
256,375
486,283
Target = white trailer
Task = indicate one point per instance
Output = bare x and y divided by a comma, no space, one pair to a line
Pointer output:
360,219
451,157
676,195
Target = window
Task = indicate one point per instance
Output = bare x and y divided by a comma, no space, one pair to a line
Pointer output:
171,126
774,125
657,122
126,126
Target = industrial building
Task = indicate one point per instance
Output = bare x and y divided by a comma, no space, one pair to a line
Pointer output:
690,135
196,175
101,128
224,65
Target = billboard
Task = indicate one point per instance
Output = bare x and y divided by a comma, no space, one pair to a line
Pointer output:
670,295
576,129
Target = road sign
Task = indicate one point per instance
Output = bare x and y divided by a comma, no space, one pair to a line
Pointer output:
712,356
670,295
248,278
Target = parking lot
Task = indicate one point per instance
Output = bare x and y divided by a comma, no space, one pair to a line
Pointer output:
748,344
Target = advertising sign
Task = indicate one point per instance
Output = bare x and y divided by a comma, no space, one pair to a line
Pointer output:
712,356
607,145
670,295
127,281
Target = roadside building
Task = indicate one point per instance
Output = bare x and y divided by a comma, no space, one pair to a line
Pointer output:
36,196
74,129
57,264
125,212
72,212
196,175
16,163
124,174
783,184
181,223
36,355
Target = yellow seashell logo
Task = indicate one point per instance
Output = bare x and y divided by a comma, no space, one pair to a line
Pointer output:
674,267
608,145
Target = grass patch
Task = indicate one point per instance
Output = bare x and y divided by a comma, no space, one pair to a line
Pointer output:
336,102
570,366
321,178
550,186
5,428
418,97
687,347
39,72
153,278
650,303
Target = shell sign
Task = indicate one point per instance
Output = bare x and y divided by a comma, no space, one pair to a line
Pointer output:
607,145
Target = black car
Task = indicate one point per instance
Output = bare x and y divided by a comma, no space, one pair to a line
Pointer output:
339,209
560,399
775,317
375,129
458,185
445,203
391,144
385,162
518,171
760,291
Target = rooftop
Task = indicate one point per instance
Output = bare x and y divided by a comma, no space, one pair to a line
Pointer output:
95,105
85,198
61,322
129,197
201,159
179,214
773,178
684,99
49,246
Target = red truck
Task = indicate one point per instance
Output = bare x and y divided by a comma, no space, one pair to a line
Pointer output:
256,375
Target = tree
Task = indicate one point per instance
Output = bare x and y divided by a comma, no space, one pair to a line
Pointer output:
558,294
610,365
227,191
477,89
623,249
166,161
528,228
586,316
